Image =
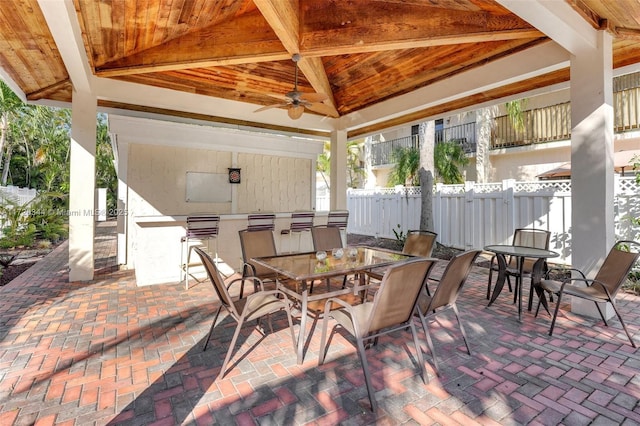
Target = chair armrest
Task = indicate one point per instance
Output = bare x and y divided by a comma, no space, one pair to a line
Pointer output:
247,265
590,283
329,301
556,269
247,278
267,292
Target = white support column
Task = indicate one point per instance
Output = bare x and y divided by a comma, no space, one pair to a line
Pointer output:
82,186
592,216
338,170
123,214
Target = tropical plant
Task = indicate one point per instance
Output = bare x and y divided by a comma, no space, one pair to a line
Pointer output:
448,158
406,162
401,237
106,176
16,231
323,165
355,171
515,111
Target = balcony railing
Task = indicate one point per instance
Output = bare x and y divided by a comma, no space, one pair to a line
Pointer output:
465,135
548,124
553,123
381,152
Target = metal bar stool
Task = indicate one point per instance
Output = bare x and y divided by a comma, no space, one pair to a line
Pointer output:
339,219
261,221
300,222
200,227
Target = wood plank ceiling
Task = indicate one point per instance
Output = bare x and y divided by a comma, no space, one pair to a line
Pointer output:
358,52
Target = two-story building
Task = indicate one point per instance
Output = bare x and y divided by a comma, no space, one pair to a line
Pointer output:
497,150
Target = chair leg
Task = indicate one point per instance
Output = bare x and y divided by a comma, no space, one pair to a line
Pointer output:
288,311
429,342
489,283
464,335
555,314
230,350
215,319
601,314
323,340
414,333
624,327
367,378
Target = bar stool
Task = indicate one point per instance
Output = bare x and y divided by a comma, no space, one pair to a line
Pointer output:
339,219
300,222
260,221
200,228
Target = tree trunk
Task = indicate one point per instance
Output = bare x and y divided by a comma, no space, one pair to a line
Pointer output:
5,168
427,142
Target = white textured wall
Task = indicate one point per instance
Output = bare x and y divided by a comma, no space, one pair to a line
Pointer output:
271,183
157,179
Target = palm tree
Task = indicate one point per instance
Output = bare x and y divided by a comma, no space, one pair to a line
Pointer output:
355,170
10,107
448,157
405,168
323,164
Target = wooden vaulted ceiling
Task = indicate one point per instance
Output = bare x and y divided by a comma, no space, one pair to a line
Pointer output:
358,52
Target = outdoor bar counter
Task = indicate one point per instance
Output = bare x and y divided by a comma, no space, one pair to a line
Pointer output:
155,248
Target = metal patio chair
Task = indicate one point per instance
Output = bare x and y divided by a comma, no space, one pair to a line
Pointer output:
418,243
259,243
602,288
392,309
262,302
445,296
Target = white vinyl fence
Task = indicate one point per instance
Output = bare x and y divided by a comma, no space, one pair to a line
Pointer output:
20,196
473,215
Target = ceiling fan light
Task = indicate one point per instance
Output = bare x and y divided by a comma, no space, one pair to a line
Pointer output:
295,111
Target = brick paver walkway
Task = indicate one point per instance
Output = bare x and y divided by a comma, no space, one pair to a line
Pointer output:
109,352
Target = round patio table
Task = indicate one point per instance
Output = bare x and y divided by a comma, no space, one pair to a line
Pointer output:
521,253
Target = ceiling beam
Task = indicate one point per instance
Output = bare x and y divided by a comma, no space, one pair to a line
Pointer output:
398,43
220,45
357,27
558,20
283,17
538,60
63,23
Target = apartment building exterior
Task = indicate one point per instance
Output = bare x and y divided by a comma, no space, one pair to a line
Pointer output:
497,150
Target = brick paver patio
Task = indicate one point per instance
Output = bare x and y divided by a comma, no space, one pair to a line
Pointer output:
109,352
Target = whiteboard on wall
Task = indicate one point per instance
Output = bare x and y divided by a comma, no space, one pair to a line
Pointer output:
208,188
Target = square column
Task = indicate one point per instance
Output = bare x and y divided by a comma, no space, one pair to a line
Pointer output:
592,215
338,173
82,186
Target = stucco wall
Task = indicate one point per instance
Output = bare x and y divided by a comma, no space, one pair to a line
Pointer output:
157,180
272,183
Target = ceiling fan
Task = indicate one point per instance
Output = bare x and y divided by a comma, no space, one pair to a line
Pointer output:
297,101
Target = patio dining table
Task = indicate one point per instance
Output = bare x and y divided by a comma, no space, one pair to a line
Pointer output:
305,268
521,253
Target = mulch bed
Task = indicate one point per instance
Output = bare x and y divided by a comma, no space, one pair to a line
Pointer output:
15,262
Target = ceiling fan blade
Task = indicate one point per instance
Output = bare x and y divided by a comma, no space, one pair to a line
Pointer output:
313,97
271,106
295,111
320,108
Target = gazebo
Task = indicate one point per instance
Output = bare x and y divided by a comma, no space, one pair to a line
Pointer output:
376,65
